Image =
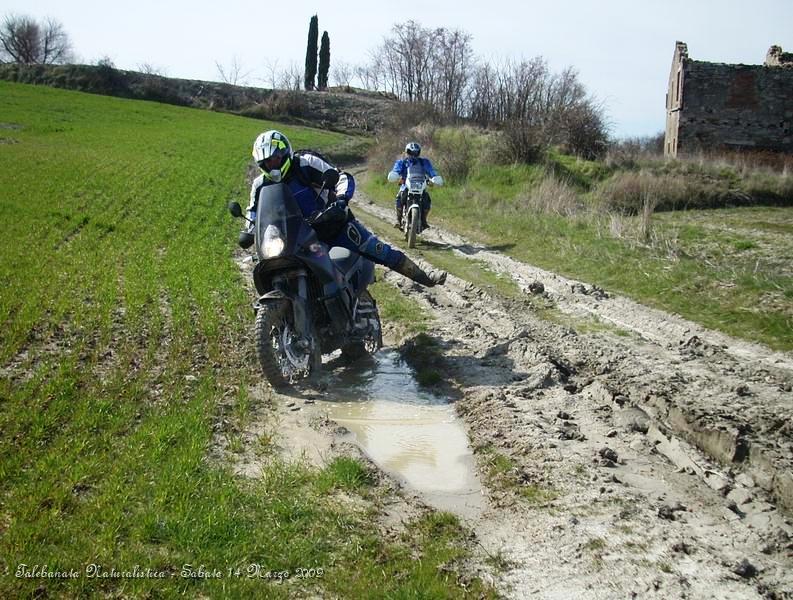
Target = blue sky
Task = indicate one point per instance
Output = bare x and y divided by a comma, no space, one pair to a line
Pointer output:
621,49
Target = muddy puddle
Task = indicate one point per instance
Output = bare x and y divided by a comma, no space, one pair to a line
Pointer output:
410,433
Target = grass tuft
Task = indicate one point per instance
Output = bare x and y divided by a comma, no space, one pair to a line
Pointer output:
346,474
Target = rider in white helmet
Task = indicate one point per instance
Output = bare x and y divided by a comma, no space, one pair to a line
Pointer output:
400,171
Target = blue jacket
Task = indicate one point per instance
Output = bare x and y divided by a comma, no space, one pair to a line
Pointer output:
401,167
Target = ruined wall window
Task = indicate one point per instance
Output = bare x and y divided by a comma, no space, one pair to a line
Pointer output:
677,89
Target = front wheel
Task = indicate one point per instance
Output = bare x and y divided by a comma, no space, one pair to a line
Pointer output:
414,221
284,356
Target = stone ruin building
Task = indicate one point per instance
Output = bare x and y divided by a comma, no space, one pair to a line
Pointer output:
712,106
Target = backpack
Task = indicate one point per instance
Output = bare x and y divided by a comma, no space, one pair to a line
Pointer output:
299,172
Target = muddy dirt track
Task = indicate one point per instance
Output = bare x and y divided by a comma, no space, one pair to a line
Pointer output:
661,453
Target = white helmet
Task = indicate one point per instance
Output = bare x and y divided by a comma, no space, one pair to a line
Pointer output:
273,153
413,149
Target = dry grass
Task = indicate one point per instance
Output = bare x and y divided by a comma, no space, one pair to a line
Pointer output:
552,196
631,192
279,104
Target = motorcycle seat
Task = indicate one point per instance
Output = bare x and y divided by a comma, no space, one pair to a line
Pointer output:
343,258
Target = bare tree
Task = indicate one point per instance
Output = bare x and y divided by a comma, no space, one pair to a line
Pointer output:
422,65
55,45
150,69
20,39
272,72
368,76
291,78
452,70
408,57
536,108
342,73
24,41
234,74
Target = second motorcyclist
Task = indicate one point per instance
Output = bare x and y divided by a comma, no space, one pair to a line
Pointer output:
399,172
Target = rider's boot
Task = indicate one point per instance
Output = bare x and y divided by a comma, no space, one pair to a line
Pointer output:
398,224
424,224
412,271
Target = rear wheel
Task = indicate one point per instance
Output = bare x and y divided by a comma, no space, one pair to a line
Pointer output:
283,356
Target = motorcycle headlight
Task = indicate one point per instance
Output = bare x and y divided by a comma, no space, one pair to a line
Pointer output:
273,243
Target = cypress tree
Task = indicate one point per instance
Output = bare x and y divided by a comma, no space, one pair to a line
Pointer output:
311,53
324,61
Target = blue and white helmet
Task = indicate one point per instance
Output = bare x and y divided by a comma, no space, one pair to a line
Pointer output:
413,149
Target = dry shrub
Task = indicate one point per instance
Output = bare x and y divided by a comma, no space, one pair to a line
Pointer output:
457,150
638,193
770,187
406,115
627,153
616,226
383,152
279,104
746,161
454,165
630,192
736,178
622,193
524,143
649,203
585,130
552,196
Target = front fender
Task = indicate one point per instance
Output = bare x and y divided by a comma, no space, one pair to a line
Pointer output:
271,297
274,295
296,305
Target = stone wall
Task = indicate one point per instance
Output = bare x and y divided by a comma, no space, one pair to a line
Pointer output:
673,98
715,106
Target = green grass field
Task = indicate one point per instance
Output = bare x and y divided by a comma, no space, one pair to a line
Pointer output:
124,331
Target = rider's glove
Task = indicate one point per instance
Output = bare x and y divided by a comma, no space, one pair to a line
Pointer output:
342,201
